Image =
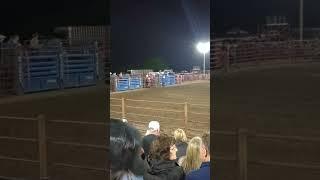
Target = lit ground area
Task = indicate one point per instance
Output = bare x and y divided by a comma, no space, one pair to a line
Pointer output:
276,100
167,105
285,97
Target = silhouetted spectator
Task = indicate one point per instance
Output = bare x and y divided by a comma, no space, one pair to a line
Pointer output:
181,142
192,160
125,152
34,42
2,38
152,133
14,42
162,160
204,172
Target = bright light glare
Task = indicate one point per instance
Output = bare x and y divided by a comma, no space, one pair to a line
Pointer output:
203,47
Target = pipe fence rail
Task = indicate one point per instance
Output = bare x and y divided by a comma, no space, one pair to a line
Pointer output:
170,114
227,54
242,156
43,140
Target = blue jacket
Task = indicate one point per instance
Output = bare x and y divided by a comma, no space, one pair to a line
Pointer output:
201,174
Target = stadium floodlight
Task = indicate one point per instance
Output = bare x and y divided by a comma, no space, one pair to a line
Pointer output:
203,47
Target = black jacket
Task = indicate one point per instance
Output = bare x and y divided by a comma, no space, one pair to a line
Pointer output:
182,149
164,170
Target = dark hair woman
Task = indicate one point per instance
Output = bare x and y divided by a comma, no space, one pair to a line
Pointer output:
162,160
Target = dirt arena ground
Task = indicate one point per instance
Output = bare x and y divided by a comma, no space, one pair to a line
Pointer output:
168,107
281,100
85,104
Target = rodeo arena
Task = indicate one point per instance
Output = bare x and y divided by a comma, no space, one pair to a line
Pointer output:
52,121
142,95
266,126
170,110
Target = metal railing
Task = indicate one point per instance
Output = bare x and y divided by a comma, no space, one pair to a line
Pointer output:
42,140
242,155
243,54
171,115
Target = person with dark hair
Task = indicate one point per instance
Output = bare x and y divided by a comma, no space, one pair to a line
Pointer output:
181,142
126,162
204,172
162,160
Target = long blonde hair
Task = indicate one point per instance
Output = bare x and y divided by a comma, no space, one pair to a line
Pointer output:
180,135
192,160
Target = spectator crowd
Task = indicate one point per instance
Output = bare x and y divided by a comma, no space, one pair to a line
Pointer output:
156,155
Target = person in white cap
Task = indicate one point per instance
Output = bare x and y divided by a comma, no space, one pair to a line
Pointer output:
153,128
152,134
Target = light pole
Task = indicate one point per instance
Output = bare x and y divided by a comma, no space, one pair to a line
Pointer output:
203,47
301,20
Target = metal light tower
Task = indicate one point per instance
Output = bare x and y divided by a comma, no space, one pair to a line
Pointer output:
301,20
203,48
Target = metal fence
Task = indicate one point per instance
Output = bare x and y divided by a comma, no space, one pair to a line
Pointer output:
227,55
37,137
242,156
193,118
153,80
25,70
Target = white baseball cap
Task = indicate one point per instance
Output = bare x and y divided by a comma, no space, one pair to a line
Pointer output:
154,125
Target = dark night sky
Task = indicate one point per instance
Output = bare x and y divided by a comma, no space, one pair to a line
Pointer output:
141,29
27,16
247,13
166,29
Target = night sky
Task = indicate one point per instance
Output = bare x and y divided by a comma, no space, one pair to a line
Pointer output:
165,29
143,29
28,16
248,13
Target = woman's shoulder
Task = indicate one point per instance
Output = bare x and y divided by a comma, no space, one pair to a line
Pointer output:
177,171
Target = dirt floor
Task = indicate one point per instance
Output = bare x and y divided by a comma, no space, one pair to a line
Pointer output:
85,104
168,108
278,100
65,105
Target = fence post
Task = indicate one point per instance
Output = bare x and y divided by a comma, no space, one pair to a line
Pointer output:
123,108
186,116
242,154
19,77
228,59
42,140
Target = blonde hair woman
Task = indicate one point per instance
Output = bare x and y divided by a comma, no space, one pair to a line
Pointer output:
181,142
192,160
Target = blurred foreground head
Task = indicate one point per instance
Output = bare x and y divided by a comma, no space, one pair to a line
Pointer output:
125,151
